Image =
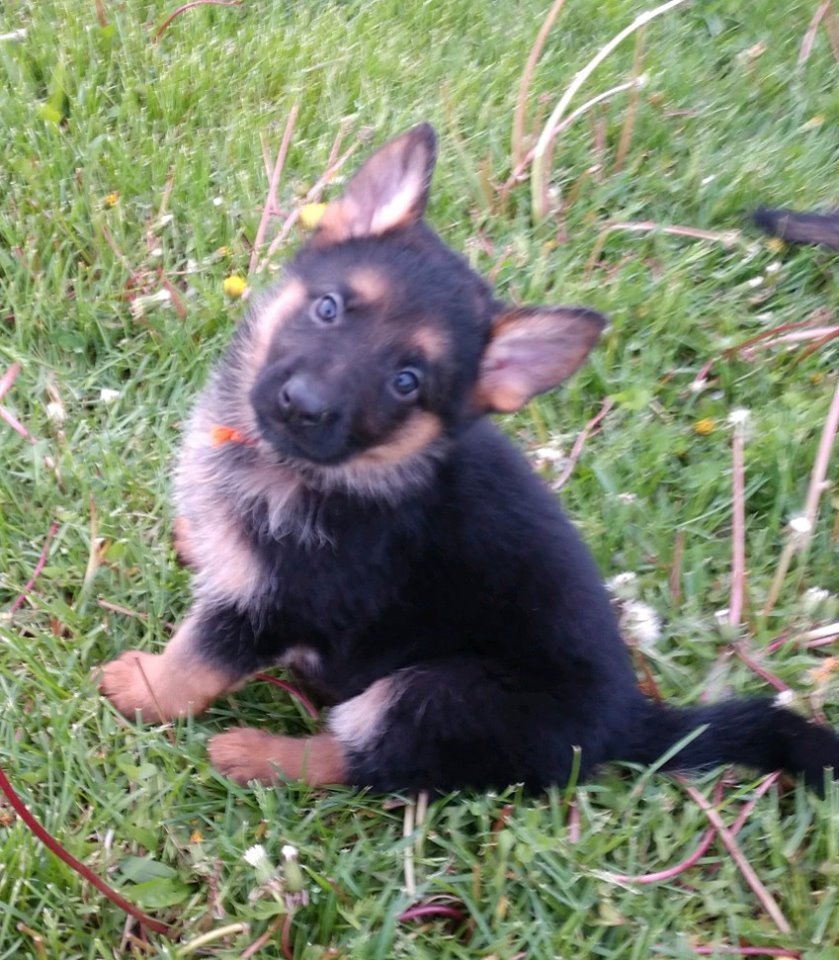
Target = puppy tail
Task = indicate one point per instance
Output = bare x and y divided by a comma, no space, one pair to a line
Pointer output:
753,732
800,227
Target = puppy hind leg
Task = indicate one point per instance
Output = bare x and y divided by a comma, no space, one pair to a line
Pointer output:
455,723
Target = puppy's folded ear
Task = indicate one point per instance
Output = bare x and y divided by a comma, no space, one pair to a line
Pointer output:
533,349
390,190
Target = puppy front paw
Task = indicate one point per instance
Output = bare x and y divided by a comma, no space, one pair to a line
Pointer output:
128,682
160,687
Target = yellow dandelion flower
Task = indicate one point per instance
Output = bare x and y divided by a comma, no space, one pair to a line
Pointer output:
775,245
235,286
111,199
310,214
704,426
195,837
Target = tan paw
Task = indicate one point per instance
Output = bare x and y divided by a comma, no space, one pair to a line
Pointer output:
245,754
128,682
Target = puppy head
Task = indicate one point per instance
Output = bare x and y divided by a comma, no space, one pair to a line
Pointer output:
382,342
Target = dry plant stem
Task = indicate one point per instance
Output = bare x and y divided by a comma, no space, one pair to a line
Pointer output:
748,952
811,505
540,171
577,449
39,566
755,667
261,940
312,196
188,6
408,821
285,937
519,116
812,29
305,702
738,538
218,933
632,107
271,200
727,238
100,14
766,899
83,871
8,379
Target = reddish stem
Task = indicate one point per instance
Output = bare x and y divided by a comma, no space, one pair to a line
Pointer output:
305,702
55,847
188,6
39,566
423,910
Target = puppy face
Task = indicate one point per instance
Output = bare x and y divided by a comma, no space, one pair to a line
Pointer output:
382,342
374,358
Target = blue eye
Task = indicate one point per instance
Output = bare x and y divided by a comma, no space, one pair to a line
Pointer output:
406,383
328,308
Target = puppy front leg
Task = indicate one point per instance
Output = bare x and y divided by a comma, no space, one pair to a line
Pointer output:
183,679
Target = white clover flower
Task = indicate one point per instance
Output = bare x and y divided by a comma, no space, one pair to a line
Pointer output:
755,282
624,586
56,413
784,698
255,855
139,305
773,267
640,623
107,395
738,416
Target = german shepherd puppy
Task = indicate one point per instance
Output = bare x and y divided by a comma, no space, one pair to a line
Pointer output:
350,510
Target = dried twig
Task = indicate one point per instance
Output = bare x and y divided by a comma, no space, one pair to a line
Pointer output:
766,899
625,138
39,566
728,238
579,443
517,138
305,702
799,542
824,13
76,865
541,171
271,200
312,196
188,6
738,536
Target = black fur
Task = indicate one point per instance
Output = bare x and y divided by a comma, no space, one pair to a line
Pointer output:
795,227
404,541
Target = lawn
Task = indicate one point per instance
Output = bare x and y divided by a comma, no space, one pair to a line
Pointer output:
132,185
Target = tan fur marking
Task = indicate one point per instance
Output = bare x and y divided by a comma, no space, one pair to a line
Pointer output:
166,685
272,314
412,436
182,542
249,754
226,567
430,341
303,660
369,284
356,722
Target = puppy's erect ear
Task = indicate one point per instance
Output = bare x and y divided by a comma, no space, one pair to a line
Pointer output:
533,349
390,190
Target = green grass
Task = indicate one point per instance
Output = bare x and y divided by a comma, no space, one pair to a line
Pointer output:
174,130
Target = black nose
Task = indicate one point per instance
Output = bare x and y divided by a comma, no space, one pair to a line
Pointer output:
302,401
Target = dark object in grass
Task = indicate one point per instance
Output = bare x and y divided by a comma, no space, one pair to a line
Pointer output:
349,509
794,227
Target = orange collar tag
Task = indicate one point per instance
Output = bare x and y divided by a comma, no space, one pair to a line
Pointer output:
220,435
